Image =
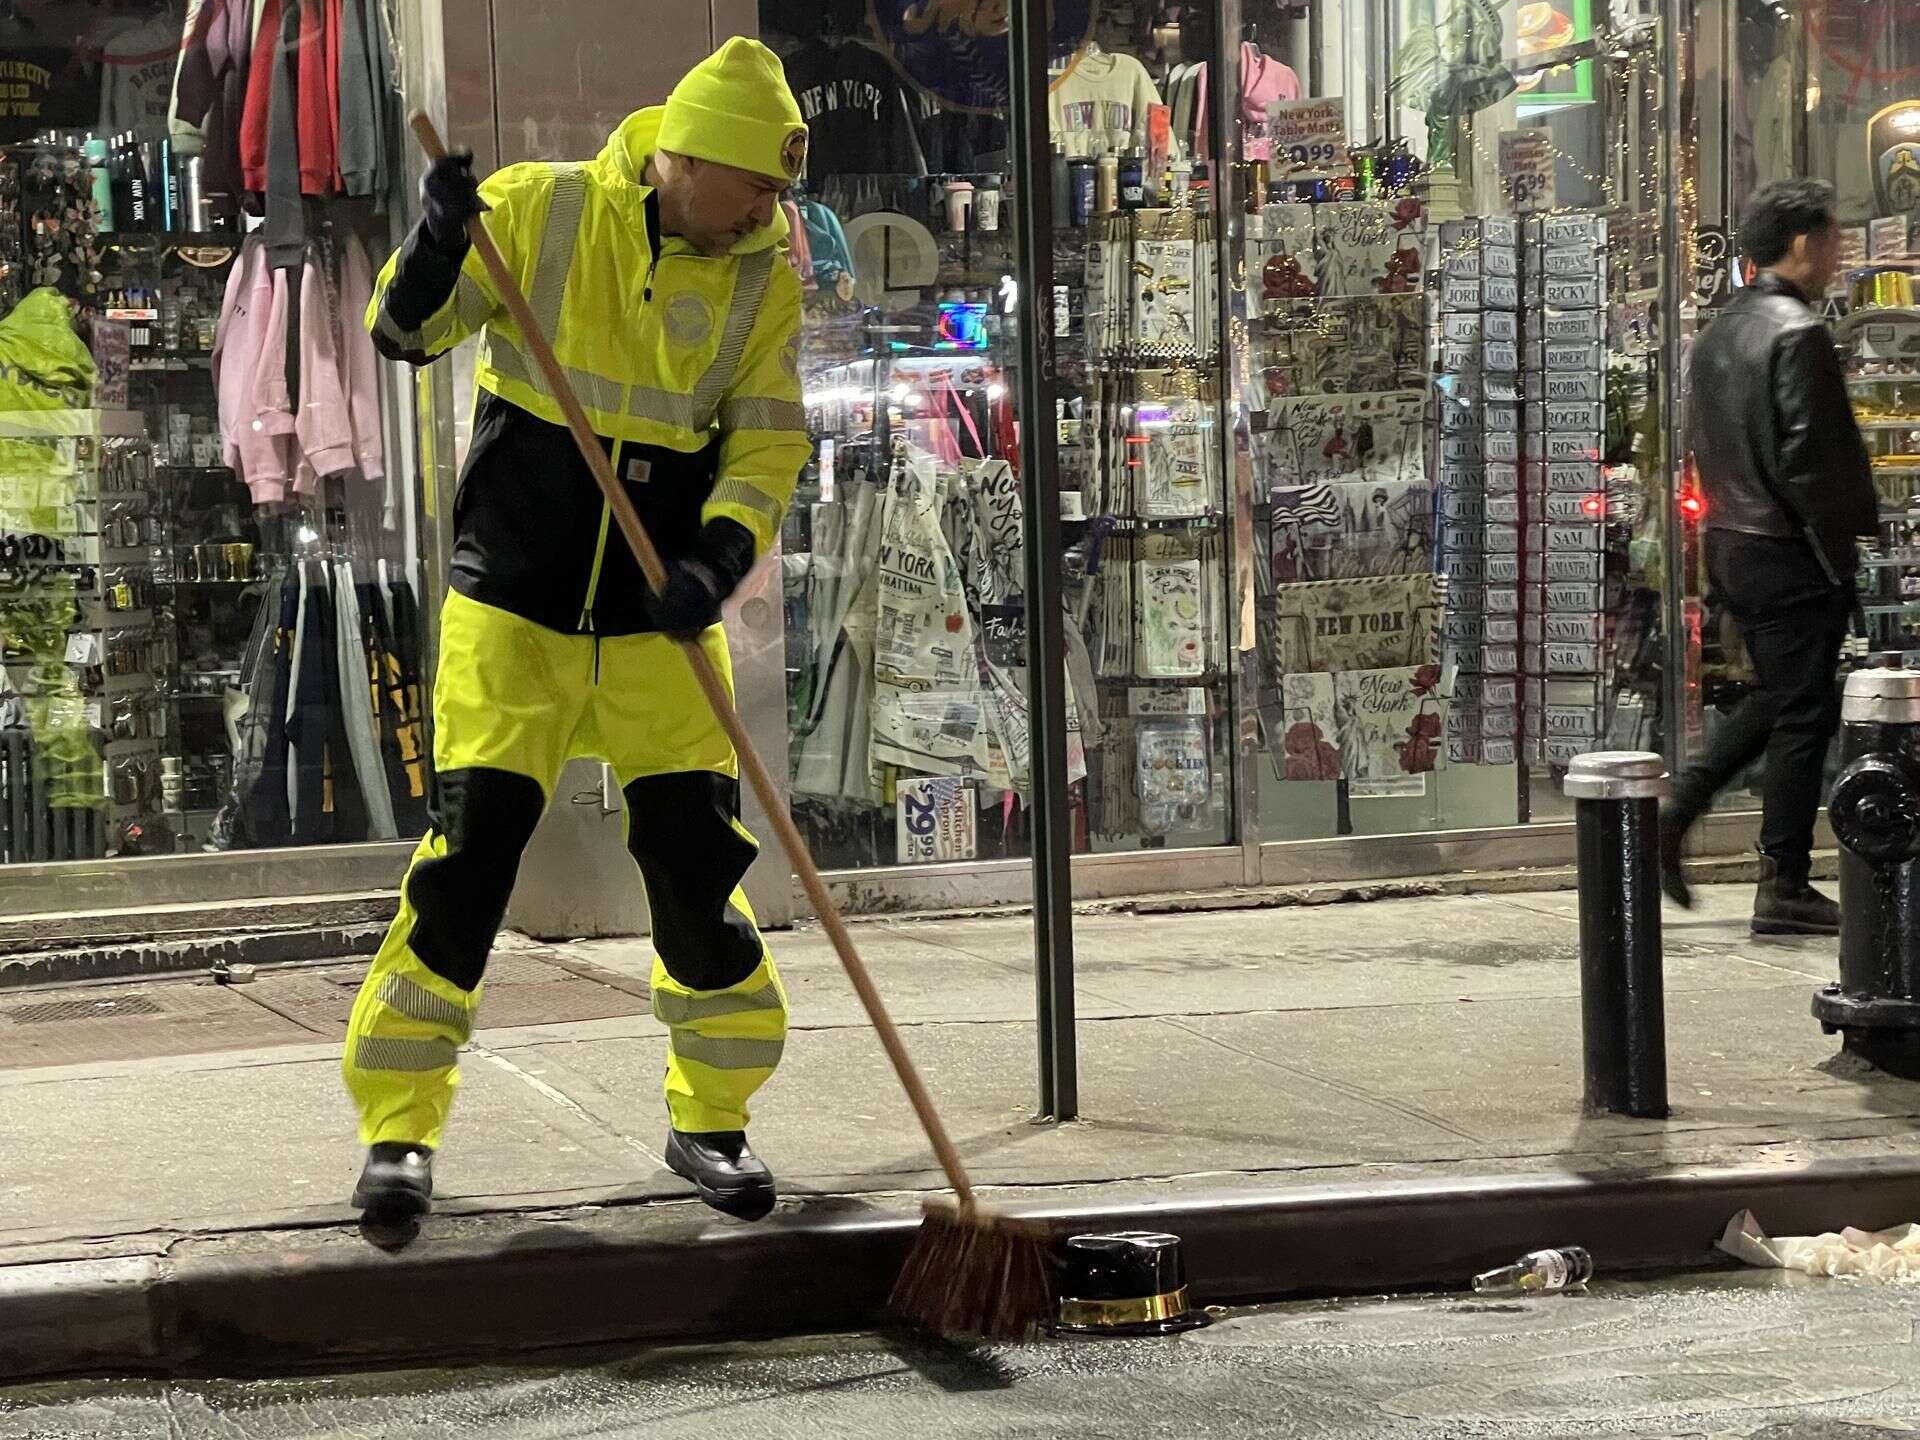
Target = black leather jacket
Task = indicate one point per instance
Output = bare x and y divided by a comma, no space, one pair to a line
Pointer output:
1772,427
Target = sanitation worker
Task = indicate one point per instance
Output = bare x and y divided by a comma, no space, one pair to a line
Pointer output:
658,272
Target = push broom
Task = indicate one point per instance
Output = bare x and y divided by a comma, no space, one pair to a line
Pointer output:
972,1271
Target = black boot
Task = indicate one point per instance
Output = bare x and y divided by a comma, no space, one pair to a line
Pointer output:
397,1183
1673,837
726,1172
1785,904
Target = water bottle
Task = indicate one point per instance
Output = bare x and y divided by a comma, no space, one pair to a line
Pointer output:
1539,1272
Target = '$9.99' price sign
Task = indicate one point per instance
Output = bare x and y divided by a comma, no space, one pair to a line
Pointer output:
1309,138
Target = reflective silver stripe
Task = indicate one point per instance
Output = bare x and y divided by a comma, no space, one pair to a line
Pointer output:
755,412
470,304
549,289
380,1052
739,492
470,308
417,1002
670,1009
405,339
596,392
749,287
726,1053
669,408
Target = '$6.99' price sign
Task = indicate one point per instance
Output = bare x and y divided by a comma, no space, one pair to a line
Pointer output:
1526,170
1309,138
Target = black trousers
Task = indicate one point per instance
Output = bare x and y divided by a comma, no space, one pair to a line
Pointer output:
1793,623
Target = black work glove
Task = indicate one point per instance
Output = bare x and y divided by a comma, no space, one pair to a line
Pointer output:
449,197
699,585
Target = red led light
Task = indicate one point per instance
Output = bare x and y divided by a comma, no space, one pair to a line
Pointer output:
1693,505
1594,505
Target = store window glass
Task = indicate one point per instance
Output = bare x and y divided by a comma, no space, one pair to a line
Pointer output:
207,557
907,621
1831,90
1452,385
1141,401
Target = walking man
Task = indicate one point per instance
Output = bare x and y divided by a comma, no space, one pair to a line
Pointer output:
1788,487
658,272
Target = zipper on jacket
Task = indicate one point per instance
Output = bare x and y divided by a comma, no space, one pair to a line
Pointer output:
599,554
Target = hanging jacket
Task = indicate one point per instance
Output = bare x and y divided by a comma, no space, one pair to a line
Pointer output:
255,104
250,376
338,422
210,93
408,648
799,253
827,243
268,818
317,97
362,113
397,730
687,367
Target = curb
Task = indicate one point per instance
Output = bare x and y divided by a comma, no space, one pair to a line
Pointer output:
474,1288
119,961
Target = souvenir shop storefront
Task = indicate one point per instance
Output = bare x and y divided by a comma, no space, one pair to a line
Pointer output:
1323,435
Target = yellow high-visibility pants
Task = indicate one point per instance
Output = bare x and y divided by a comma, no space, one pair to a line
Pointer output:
512,703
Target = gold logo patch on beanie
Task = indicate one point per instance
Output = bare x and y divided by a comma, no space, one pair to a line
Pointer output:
793,153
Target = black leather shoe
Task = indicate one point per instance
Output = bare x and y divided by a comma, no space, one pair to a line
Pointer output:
1673,875
724,1169
1788,905
397,1182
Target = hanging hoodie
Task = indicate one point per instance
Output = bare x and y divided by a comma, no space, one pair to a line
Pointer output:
210,94
338,422
136,76
799,253
366,90
257,429
317,97
827,244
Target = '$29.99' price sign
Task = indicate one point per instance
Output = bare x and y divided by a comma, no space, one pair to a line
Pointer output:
1526,170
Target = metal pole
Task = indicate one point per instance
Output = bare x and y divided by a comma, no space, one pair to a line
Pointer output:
1676,276
1616,798
1027,50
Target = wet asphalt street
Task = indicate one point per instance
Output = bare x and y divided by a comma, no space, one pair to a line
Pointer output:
1739,1354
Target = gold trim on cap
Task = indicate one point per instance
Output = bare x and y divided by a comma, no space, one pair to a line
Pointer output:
1143,1311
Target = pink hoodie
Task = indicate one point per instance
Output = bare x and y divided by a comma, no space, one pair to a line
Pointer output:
270,445
250,375
339,419
1262,80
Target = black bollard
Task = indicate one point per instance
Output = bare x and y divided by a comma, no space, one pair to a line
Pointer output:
1622,1006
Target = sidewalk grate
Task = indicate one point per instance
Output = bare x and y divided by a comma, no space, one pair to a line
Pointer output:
56,1011
138,1021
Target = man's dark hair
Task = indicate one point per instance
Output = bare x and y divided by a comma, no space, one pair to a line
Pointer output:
1781,212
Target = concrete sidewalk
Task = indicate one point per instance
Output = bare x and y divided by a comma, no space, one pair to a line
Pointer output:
1250,1053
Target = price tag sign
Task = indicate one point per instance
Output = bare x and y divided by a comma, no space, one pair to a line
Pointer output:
1309,138
936,820
1526,170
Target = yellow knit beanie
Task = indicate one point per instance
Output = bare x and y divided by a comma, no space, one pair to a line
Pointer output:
734,108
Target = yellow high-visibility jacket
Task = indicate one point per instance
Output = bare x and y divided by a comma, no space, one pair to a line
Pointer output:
686,365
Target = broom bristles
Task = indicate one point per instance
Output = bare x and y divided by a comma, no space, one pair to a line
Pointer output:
975,1274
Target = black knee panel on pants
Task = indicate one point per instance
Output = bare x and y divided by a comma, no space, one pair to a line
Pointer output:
680,830
460,898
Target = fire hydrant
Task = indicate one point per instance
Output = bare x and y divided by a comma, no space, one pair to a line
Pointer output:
1875,812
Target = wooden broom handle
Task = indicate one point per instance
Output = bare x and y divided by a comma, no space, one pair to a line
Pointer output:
713,688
